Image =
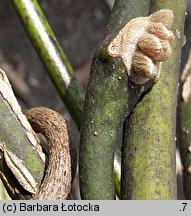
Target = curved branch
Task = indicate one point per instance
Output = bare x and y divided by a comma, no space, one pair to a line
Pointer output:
110,98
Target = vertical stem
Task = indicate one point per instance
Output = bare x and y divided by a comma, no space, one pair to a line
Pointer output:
148,151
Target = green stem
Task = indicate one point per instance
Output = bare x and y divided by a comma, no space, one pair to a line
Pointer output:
3,193
16,140
109,99
148,151
54,59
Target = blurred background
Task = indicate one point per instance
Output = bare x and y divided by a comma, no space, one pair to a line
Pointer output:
79,26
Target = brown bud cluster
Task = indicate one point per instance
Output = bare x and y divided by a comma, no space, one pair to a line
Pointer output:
142,44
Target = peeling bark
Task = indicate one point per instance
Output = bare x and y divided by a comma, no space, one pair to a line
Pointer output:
19,146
